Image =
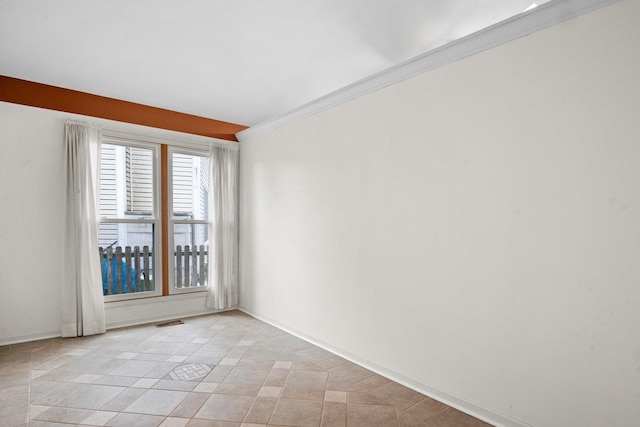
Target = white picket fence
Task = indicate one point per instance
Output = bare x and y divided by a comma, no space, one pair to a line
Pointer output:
127,270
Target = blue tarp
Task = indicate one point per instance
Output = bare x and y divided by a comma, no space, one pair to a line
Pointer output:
127,286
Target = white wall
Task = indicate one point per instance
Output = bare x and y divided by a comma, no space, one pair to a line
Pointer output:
32,183
31,221
474,231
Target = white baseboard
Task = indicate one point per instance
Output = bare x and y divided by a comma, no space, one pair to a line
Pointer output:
18,339
155,319
447,398
120,314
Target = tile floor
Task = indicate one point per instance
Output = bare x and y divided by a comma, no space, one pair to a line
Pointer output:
220,370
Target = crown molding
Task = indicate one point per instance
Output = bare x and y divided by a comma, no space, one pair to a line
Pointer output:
536,19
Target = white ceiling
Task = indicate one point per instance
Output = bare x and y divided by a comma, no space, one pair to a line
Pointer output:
242,61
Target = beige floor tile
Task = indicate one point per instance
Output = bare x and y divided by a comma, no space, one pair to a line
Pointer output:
302,393
211,423
175,385
314,354
206,387
89,365
224,407
269,391
261,410
238,389
334,414
35,373
116,380
397,395
158,357
10,392
137,420
282,364
307,366
406,420
123,400
126,355
331,362
88,396
35,410
290,412
214,351
453,417
335,396
247,375
426,408
86,378
277,377
15,378
157,402
238,352
99,418
133,368
162,370
64,415
250,362
351,372
338,383
48,393
229,361
158,347
20,419
52,362
175,422
307,379
263,353
78,351
145,383
59,376
43,424
190,405
369,383
371,416
365,399
218,374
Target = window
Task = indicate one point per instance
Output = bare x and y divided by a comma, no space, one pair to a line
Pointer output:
189,195
133,253
129,228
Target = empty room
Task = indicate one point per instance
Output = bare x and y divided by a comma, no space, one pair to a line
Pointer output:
320,213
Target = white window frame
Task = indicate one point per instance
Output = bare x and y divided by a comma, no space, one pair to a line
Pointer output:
171,150
156,221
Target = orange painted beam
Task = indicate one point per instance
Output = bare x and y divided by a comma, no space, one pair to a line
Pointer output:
72,101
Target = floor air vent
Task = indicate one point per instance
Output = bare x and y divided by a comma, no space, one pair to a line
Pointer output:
169,323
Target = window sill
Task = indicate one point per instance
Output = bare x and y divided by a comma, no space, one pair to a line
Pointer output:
153,299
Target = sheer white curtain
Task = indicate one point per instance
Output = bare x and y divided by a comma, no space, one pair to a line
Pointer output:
82,297
223,227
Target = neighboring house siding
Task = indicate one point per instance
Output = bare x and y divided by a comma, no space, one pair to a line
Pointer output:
108,202
139,175
182,183
204,196
126,186
204,186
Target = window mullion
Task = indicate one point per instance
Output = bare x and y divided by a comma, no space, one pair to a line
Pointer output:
164,214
